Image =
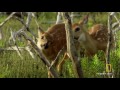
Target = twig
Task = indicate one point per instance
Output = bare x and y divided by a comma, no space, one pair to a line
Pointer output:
1,34
26,25
13,37
116,23
54,61
13,48
59,18
35,18
8,18
15,34
113,25
27,48
116,29
18,51
117,19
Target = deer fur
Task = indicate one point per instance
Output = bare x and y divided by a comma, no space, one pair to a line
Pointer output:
52,41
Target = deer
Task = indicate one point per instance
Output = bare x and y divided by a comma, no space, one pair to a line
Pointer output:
92,40
51,41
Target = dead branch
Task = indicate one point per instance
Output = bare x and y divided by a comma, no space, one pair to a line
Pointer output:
8,18
28,48
116,23
59,18
116,29
19,52
113,25
14,48
109,42
26,25
1,34
35,18
39,28
13,38
41,56
15,34
54,61
109,39
116,19
71,47
5,21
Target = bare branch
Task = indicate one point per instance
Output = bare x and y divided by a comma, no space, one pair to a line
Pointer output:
12,48
109,44
54,61
8,18
18,51
27,48
71,47
35,19
1,34
59,18
15,34
39,28
26,25
116,29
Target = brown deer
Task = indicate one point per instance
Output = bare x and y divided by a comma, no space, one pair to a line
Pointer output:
52,41
91,40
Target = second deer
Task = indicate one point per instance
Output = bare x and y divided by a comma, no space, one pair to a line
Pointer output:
92,40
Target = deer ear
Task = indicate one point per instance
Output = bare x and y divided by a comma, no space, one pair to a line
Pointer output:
40,31
84,20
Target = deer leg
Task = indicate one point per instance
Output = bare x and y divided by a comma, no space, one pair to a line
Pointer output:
55,63
60,65
49,74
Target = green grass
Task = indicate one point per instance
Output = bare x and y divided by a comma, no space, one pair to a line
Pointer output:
11,65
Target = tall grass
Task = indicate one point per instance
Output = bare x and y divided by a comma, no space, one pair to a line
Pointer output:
11,65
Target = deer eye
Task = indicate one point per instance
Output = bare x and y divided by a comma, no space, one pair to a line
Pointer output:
42,37
77,29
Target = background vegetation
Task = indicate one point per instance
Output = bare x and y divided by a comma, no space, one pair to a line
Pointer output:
11,65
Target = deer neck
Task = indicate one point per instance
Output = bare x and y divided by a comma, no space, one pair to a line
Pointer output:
88,42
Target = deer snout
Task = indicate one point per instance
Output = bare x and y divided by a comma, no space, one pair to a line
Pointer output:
44,46
76,38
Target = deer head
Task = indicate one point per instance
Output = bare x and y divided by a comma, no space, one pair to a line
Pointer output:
79,28
44,39
92,40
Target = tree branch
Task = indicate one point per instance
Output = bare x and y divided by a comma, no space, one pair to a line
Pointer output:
109,43
71,47
8,18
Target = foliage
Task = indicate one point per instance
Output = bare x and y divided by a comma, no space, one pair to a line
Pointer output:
11,66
